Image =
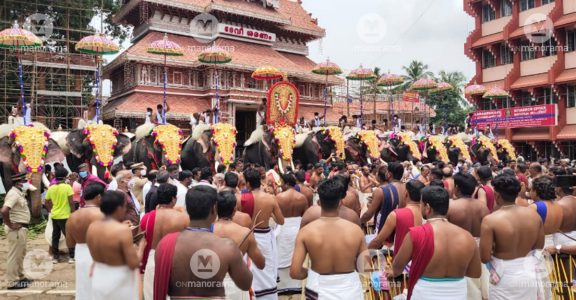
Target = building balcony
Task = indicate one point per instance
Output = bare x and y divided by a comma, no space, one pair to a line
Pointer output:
496,73
537,66
495,26
569,6
527,14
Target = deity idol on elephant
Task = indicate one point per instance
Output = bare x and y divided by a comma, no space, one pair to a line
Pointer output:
156,146
319,144
483,149
505,150
401,146
363,147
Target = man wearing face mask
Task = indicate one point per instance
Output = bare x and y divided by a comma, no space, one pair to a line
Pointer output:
138,181
85,179
16,216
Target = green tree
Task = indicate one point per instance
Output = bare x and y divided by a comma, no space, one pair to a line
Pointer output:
451,107
414,71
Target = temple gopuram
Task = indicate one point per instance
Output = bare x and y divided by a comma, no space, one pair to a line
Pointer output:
255,33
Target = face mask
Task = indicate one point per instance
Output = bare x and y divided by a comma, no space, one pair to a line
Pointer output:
148,113
83,174
25,186
459,165
143,172
131,184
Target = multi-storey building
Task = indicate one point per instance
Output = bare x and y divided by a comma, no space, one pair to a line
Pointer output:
256,33
527,47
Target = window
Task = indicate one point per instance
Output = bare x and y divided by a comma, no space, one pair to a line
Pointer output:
486,104
488,60
528,51
571,96
548,97
549,47
544,2
506,55
505,8
488,14
526,4
177,79
571,40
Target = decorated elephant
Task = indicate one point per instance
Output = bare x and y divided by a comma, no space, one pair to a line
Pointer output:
198,151
98,145
434,148
483,149
363,147
505,150
457,148
401,147
156,146
260,148
27,149
319,144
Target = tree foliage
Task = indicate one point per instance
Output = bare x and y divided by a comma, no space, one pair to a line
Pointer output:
451,107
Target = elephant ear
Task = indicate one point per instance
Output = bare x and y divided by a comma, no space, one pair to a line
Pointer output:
6,154
54,153
124,145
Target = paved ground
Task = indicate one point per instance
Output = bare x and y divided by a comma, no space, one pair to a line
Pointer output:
52,281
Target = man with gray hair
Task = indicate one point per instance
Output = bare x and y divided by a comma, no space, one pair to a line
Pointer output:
150,200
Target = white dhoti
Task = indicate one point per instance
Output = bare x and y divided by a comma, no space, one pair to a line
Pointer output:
340,286
232,291
114,282
82,265
439,289
264,281
312,284
478,287
285,239
148,288
315,198
518,280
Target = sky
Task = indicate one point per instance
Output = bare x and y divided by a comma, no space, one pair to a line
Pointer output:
391,33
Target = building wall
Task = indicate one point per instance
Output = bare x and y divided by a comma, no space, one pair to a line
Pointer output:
569,6
496,73
495,26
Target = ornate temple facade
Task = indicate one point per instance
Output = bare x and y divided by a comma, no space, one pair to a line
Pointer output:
255,33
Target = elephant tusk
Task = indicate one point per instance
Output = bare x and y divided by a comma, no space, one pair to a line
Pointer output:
280,165
292,164
369,160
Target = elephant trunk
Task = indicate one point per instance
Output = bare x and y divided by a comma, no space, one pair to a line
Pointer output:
35,198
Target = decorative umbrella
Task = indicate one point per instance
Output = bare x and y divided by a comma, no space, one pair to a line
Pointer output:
423,85
18,38
98,45
215,56
442,87
326,68
267,73
361,74
475,89
495,92
389,80
167,48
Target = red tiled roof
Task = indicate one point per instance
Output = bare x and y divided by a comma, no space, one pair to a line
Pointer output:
567,133
531,134
489,39
530,81
566,20
135,104
244,56
308,113
567,76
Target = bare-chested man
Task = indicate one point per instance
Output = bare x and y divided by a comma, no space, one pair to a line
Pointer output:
366,181
389,197
116,260
350,199
448,180
304,188
76,227
225,227
401,219
261,207
468,213
551,213
156,224
333,256
508,237
293,205
374,206
441,253
315,178
566,200
231,185
485,191
194,262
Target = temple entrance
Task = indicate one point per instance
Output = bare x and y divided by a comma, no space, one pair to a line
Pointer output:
245,122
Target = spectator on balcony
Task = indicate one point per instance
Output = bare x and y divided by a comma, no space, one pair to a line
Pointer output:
148,118
316,122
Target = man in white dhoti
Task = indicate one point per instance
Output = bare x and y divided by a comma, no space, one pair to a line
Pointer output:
116,260
76,228
510,259
293,205
333,256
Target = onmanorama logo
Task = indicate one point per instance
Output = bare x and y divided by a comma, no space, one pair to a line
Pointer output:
538,28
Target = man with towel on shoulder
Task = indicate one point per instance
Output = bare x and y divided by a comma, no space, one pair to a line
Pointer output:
164,219
261,207
441,253
293,205
333,256
225,227
508,238
76,229
116,260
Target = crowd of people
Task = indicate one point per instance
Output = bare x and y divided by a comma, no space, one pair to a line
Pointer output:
464,231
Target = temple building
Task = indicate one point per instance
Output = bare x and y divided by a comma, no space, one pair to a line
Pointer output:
527,47
255,33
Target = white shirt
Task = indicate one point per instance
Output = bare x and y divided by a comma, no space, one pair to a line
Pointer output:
181,194
146,189
113,185
147,120
205,183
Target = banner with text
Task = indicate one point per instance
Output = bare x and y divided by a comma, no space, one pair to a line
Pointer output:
411,97
516,117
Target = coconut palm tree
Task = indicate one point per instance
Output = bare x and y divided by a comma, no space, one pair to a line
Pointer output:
414,71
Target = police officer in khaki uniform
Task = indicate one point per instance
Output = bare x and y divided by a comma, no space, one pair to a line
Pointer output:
16,216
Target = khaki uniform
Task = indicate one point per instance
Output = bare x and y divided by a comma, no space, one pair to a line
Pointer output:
19,213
